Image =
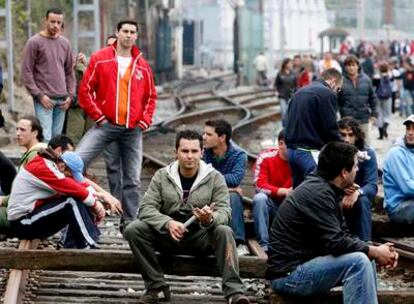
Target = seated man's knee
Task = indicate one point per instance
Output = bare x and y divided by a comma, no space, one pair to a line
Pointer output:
260,199
135,229
223,230
360,259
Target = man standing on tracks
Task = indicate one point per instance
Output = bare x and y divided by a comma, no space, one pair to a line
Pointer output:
117,92
273,181
309,251
399,177
231,162
312,123
47,73
185,188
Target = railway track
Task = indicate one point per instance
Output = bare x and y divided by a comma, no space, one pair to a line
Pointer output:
253,117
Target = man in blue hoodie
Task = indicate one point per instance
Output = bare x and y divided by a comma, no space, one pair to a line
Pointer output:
399,177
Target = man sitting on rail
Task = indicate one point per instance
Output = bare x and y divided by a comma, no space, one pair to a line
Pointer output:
231,162
357,204
273,183
187,187
399,177
49,193
309,251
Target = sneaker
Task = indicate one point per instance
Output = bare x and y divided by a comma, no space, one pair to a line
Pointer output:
238,298
242,250
153,296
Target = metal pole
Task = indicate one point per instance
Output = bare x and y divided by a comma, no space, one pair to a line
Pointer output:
97,26
282,28
29,18
361,18
75,26
10,72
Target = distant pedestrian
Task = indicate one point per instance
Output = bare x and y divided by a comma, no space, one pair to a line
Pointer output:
312,123
329,62
261,65
47,73
285,85
118,93
383,90
357,98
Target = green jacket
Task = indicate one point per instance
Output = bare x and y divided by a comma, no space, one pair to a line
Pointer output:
164,196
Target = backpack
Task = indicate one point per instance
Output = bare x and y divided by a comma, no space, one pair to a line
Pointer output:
384,89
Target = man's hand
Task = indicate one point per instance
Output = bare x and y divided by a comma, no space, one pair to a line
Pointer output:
46,102
237,189
205,214
81,58
348,201
351,189
385,254
283,192
65,104
176,230
102,122
110,202
372,119
99,212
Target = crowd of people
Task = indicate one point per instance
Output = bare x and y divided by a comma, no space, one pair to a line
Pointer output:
314,191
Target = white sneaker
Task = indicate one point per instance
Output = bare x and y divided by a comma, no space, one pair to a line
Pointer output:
242,250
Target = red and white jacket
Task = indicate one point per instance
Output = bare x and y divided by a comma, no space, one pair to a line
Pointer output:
98,91
271,172
39,181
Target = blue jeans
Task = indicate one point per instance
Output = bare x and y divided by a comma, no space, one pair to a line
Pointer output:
354,271
130,155
403,213
283,110
50,120
264,210
301,165
237,217
114,169
358,218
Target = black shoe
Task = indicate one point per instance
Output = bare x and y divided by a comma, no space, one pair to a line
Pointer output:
152,296
238,298
381,133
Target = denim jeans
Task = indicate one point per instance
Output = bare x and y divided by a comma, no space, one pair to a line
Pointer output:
114,169
358,219
403,213
301,164
237,217
384,111
130,155
283,110
50,120
264,210
354,271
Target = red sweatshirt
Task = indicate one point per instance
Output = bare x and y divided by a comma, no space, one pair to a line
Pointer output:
271,173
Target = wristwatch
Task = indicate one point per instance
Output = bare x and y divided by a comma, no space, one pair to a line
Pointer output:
361,192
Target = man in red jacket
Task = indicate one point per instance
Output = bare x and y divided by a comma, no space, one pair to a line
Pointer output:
117,92
273,183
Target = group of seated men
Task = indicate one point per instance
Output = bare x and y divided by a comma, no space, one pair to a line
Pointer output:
50,193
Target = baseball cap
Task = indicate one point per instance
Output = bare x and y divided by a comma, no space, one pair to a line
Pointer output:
410,119
74,163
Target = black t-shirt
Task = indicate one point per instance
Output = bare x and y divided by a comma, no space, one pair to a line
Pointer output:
187,183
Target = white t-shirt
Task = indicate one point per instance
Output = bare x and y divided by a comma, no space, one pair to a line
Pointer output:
123,64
